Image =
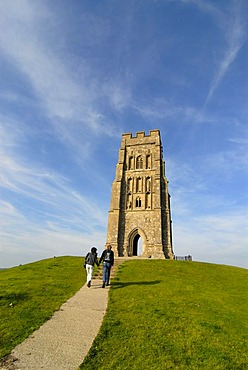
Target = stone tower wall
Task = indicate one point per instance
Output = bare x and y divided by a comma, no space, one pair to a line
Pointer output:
140,202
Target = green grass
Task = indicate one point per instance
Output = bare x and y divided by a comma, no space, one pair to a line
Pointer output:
161,314
30,294
173,315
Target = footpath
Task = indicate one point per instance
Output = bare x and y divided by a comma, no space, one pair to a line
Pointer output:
63,342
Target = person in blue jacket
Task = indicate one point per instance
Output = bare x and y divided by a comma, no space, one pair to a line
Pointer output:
108,261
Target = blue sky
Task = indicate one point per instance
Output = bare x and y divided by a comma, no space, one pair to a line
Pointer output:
75,75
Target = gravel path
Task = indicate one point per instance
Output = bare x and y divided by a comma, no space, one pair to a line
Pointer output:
64,340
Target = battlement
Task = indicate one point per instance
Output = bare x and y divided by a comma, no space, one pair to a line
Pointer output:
141,134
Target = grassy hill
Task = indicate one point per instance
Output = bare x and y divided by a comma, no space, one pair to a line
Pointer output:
174,315
161,314
30,294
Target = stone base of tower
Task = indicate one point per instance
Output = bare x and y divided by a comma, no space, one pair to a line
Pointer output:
150,252
170,256
156,255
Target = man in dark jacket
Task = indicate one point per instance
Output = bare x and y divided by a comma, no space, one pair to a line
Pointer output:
90,261
108,261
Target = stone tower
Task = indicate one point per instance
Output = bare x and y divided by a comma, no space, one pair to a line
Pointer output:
140,202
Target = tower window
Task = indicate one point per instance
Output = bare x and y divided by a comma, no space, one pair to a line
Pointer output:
148,162
138,202
139,163
148,184
138,185
130,164
129,185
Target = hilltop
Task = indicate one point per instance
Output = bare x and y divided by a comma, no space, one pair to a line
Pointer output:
161,314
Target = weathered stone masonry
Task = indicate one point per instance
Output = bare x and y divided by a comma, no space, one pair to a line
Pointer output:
140,201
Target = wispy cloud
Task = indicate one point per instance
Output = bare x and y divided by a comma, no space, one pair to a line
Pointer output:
220,239
161,109
21,41
234,44
67,93
233,26
45,215
53,193
207,224
40,209
227,163
23,239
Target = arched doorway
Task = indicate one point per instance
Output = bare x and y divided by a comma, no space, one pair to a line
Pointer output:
137,241
140,247
137,245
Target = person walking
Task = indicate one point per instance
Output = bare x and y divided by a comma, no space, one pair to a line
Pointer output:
89,263
108,261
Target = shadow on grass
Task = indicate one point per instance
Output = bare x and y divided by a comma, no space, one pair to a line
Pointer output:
118,284
12,298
